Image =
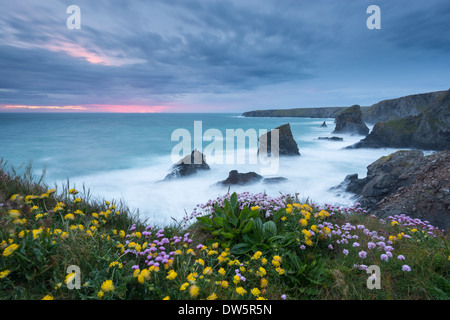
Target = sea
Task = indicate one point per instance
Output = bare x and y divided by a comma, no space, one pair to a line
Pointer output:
125,157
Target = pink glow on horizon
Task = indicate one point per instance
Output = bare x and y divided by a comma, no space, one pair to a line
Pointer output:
108,108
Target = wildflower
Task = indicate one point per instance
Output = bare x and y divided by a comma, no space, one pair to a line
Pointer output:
288,210
69,278
401,257
264,282
384,257
221,271
77,200
47,297
13,197
194,291
100,294
254,208
224,284
283,296
406,268
166,298
257,255
309,242
192,277
171,275
184,286
261,272
393,223
241,291
143,275
69,216
236,279
14,214
303,222
107,286
371,245
345,251
280,271
10,249
73,191
355,244
362,254
255,291
207,271
200,261
212,296
4,273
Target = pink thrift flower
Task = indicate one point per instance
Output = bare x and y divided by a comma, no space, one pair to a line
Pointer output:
406,268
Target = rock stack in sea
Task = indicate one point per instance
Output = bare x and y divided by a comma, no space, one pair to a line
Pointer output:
189,165
350,121
286,144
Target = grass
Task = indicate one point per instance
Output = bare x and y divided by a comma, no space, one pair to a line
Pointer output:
239,246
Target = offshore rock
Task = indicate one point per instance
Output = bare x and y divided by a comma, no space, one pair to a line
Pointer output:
350,121
286,144
189,165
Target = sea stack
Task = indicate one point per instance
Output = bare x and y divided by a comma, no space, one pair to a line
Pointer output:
189,165
350,121
286,143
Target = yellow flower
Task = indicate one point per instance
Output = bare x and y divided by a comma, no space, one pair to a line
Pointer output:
190,251
222,271
288,210
100,294
192,277
4,273
193,291
393,223
255,291
414,230
51,191
280,271
241,291
264,282
69,278
184,286
36,233
261,272
13,197
144,275
303,222
257,255
254,208
10,249
200,261
69,216
107,286
47,297
309,242
314,228
171,275
283,218
76,200
236,279
166,298
14,214
224,284
212,296
207,271
121,233
73,191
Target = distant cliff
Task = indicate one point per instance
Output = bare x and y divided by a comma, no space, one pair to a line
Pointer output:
399,108
385,110
327,112
429,130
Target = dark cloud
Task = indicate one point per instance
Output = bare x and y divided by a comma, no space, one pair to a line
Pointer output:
159,51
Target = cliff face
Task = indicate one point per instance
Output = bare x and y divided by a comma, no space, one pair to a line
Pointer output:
385,110
406,182
392,109
430,130
329,112
350,121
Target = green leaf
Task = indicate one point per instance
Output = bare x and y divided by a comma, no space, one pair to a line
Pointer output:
270,229
227,235
243,216
241,248
248,227
219,221
233,201
205,220
258,229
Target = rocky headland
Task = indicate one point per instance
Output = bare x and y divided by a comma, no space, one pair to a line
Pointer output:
350,121
406,182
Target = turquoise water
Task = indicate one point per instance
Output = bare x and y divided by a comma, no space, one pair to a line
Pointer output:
124,156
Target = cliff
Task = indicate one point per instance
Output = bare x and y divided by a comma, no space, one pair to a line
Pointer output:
328,112
430,130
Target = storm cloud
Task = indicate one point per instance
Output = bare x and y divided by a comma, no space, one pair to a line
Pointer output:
212,55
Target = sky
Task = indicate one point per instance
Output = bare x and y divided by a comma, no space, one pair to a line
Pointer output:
218,55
